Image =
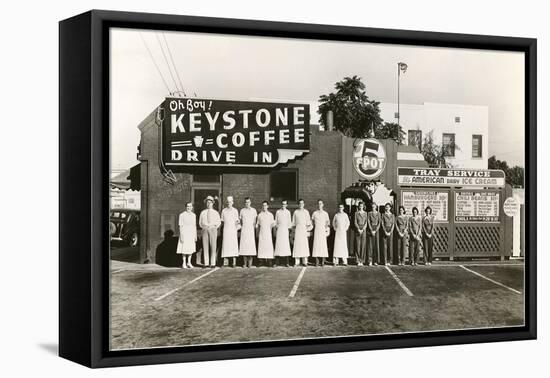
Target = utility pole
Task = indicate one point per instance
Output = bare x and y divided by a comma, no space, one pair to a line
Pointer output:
400,67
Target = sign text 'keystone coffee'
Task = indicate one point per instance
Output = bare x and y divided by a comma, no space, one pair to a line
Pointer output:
203,132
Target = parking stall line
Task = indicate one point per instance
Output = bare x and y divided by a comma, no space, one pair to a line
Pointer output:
297,283
405,288
493,264
186,284
490,280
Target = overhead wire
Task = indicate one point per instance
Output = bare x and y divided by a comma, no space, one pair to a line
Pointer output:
168,64
155,63
174,64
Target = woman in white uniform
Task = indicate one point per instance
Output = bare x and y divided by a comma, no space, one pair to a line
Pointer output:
265,222
340,222
247,247
231,224
187,223
321,224
283,222
302,225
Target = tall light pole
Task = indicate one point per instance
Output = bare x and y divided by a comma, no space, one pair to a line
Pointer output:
400,67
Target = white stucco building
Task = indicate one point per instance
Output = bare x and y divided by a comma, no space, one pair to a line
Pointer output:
467,125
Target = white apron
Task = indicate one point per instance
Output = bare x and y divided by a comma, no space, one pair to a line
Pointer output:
282,241
265,239
321,222
187,223
230,245
302,223
247,246
341,225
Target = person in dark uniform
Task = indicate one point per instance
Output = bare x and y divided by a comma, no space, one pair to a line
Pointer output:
166,251
388,224
373,225
427,234
415,232
360,223
402,229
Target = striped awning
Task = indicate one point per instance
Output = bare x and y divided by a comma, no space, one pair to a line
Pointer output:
410,156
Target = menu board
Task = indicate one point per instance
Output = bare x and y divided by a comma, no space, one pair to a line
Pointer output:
438,201
476,207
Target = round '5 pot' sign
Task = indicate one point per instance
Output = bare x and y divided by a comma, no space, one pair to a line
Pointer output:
369,158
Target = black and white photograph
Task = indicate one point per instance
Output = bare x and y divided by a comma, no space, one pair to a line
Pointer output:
274,189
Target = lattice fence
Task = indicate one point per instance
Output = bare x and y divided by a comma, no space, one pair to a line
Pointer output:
477,240
441,241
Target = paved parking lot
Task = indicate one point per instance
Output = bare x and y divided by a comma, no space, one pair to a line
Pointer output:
155,306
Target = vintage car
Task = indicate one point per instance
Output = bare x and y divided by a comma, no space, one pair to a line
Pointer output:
124,226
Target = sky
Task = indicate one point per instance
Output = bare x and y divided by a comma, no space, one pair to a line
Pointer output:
247,68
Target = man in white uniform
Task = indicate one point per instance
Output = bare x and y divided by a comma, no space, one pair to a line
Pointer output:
283,222
321,224
265,223
341,224
247,246
231,224
302,226
209,222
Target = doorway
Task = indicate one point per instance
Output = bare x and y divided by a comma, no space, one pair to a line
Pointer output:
203,186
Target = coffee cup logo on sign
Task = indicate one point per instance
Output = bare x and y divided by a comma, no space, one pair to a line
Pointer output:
369,158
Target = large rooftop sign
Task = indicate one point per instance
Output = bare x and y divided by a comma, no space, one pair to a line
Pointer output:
450,177
204,132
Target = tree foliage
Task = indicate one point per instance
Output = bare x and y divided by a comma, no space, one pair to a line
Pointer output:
390,130
354,114
434,154
515,175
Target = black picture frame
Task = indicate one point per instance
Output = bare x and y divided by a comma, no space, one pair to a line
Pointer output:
84,164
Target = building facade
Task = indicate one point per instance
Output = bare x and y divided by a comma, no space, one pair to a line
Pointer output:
315,175
467,202
462,129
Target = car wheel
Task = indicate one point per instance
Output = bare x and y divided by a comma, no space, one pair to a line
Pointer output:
134,239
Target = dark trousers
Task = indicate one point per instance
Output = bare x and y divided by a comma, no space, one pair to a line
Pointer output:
414,249
402,247
387,254
428,249
372,246
361,246
282,260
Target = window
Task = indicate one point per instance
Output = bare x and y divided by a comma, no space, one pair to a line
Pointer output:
206,178
167,222
448,145
284,185
415,138
476,146
457,119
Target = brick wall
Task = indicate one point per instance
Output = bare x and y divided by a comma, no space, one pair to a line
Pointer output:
320,170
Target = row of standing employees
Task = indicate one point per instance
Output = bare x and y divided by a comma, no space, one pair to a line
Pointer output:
413,234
